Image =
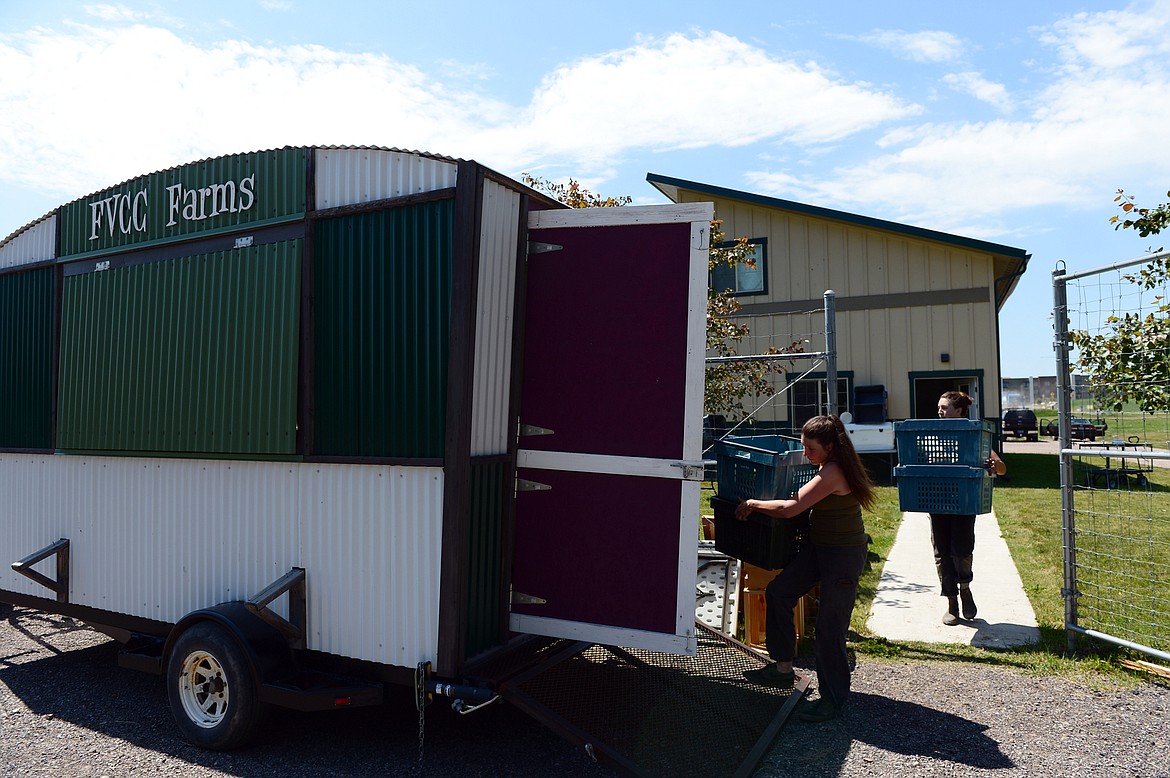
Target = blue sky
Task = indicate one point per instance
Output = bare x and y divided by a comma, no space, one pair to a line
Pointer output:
1009,122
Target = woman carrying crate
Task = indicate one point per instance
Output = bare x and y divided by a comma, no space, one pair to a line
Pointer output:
834,558
953,535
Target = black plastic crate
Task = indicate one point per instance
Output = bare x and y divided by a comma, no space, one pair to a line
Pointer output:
869,404
759,540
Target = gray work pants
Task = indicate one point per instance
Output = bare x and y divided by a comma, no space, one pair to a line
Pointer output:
953,538
836,569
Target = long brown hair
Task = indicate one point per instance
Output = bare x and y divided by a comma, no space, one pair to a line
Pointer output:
831,434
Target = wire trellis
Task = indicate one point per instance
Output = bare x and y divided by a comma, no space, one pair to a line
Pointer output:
1115,453
809,334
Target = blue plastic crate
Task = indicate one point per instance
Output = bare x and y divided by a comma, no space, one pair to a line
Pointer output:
943,442
762,467
944,488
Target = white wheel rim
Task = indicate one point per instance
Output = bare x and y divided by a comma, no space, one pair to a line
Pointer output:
203,689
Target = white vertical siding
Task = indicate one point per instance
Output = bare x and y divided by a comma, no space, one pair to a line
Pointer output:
372,542
159,538
494,319
353,176
37,243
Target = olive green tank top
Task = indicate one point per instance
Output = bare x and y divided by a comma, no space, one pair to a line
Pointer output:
836,521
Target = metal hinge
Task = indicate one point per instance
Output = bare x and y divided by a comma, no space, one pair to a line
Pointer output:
523,485
532,429
536,247
519,598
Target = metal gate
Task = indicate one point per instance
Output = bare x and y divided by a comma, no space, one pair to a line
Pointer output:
1112,341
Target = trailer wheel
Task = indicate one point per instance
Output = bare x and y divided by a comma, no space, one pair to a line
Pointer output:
212,692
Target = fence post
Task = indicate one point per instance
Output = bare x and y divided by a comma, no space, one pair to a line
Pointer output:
831,352
1064,412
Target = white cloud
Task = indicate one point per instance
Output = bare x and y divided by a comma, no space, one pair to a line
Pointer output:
689,92
99,104
111,13
925,46
980,88
1110,40
1096,127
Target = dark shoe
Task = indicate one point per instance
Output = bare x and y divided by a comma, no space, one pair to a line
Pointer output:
951,617
768,675
820,711
969,609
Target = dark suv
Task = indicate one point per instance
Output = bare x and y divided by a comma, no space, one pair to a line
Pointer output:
1021,423
1078,428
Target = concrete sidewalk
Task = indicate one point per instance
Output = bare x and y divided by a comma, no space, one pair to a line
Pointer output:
908,606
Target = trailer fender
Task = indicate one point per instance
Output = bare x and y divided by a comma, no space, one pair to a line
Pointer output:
263,645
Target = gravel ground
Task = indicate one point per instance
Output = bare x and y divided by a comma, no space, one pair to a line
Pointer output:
67,709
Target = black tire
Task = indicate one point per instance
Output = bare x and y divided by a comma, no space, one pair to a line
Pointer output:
6,609
211,689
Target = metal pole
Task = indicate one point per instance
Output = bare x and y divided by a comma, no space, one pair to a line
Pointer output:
831,352
1064,406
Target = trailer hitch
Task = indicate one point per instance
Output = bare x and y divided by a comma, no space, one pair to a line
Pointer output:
426,687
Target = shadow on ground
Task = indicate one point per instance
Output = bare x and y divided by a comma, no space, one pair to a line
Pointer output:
904,728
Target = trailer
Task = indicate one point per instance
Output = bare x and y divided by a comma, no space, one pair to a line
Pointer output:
297,424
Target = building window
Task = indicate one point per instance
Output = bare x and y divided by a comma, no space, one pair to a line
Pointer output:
810,399
742,279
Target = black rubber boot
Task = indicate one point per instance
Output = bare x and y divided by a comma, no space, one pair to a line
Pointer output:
969,609
951,617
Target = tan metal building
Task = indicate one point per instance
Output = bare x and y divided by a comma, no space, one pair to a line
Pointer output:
916,309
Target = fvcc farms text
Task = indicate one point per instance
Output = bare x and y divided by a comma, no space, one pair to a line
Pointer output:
129,212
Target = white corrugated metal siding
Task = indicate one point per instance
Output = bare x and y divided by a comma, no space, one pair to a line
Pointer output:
37,243
494,319
374,535
353,176
159,538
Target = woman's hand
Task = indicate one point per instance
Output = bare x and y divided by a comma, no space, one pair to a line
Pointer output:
743,509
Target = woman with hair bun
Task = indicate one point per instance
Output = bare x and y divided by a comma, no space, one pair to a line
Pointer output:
953,535
833,557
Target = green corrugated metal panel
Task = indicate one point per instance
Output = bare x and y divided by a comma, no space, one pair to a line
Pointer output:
26,359
382,288
485,555
197,354
204,197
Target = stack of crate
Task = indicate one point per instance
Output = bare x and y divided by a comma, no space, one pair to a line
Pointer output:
763,467
942,465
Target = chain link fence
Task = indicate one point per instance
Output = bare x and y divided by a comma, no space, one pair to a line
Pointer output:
1112,327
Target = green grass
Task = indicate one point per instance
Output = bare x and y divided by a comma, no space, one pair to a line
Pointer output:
1128,424
1028,507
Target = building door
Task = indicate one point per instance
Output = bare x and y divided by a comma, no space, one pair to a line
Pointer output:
610,426
927,388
